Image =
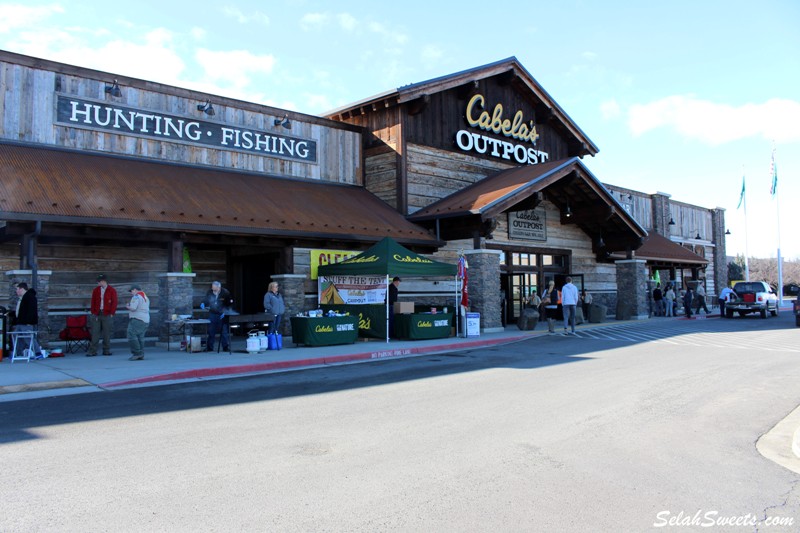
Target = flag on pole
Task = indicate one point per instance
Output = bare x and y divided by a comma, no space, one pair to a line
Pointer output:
773,170
741,196
462,273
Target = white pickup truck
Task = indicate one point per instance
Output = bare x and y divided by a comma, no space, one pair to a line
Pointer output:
752,297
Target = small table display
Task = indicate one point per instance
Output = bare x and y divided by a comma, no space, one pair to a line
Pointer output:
423,325
324,331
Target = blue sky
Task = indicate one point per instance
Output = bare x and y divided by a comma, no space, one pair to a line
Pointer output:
682,98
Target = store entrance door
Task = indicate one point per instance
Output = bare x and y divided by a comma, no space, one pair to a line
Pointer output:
251,278
517,288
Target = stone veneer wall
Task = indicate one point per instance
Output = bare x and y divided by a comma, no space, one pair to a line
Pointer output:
175,291
483,285
632,290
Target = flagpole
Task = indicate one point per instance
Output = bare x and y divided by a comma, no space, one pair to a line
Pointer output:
778,214
744,202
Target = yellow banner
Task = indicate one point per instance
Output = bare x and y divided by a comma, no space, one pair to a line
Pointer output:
328,257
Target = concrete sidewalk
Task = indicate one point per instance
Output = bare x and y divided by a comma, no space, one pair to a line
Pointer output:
76,373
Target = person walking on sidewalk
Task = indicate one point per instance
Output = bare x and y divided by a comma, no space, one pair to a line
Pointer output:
550,303
569,301
139,312
701,298
688,300
103,308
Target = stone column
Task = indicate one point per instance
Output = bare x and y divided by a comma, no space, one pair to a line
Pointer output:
42,298
292,287
661,213
483,285
718,230
631,289
175,294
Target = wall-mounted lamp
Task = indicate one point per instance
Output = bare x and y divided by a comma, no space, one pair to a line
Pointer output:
727,232
206,108
697,236
114,90
600,242
568,211
671,221
630,197
283,122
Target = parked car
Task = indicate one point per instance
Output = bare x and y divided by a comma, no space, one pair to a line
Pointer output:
792,289
753,297
796,309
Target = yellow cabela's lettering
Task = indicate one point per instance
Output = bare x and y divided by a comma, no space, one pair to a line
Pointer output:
424,324
323,329
409,259
364,323
495,122
370,259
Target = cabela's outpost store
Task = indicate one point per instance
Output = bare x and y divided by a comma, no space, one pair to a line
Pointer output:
171,189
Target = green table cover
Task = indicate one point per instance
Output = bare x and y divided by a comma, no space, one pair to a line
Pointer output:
324,331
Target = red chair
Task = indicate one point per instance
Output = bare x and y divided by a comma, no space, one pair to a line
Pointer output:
76,334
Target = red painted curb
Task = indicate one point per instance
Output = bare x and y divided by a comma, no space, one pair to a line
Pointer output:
200,373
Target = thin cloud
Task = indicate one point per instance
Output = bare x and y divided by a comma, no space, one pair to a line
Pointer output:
610,109
19,16
233,67
716,124
347,21
244,18
313,21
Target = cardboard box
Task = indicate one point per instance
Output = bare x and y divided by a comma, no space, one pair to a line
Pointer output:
401,308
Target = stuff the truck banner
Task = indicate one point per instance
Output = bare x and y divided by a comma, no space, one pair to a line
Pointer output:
351,290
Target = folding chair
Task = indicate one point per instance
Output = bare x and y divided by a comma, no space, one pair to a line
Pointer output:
76,334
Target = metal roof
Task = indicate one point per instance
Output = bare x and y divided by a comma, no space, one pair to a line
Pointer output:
83,188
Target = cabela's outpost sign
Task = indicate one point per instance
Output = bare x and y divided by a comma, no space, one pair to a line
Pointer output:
91,115
528,225
516,129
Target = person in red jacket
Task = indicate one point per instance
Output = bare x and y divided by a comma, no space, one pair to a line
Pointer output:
104,306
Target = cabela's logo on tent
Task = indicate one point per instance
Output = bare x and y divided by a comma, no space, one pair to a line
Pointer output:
408,259
478,117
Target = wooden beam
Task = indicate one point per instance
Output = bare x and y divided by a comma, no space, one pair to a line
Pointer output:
415,107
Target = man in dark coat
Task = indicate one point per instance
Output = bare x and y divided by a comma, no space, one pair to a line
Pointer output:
218,301
688,298
26,317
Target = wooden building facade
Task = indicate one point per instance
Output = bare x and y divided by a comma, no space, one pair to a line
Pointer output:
137,180
487,160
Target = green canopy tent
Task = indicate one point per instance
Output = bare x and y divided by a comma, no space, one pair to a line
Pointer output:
389,258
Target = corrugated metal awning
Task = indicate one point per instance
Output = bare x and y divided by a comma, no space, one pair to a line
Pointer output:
661,251
69,187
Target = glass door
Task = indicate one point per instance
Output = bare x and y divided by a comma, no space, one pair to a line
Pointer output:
521,287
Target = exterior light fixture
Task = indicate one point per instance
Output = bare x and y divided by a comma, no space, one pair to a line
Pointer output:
727,232
206,108
671,221
285,122
114,90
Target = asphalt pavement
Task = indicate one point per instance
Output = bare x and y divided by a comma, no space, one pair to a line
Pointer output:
75,373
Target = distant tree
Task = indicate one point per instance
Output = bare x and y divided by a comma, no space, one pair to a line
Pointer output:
735,271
